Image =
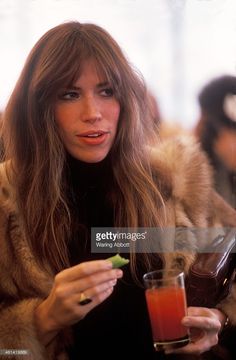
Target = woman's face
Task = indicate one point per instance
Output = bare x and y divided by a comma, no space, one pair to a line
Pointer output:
87,116
225,148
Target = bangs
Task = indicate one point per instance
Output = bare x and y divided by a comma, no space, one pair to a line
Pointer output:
61,63
87,46
105,72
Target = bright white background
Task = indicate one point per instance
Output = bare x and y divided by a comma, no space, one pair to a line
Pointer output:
178,45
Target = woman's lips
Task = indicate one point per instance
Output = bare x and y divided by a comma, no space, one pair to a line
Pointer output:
93,137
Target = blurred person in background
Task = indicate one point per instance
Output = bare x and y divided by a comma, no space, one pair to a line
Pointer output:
216,131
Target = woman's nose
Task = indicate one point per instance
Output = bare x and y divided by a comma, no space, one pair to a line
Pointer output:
90,110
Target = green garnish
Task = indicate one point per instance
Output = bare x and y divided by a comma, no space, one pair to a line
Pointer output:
118,261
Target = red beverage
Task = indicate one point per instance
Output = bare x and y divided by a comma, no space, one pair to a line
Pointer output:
167,307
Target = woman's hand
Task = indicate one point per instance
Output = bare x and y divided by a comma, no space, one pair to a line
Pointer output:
205,325
62,308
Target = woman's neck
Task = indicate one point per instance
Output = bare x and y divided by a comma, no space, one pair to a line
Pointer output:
86,175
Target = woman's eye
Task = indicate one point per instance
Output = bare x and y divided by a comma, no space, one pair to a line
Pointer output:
69,95
108,92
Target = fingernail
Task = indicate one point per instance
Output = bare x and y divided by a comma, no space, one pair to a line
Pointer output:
119,273
108,264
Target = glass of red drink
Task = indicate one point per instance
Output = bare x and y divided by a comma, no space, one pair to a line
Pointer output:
166,302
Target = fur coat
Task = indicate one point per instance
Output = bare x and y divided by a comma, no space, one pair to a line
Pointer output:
23,285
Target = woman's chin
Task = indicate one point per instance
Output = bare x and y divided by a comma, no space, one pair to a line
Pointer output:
90,158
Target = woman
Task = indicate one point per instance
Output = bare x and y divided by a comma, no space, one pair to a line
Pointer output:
77,136
216,131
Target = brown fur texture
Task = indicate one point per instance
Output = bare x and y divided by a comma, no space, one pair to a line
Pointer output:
190,203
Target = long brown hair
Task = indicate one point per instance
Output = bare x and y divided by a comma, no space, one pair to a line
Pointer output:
38,156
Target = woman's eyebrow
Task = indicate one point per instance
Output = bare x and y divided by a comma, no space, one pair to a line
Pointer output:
71,87
102,84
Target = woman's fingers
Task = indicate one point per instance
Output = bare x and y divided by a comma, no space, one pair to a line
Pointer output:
202,322
204,327
82,270
99,298
200,311
65,310
196,348
96,279
103,295
76,311
199,345
92,282
96,290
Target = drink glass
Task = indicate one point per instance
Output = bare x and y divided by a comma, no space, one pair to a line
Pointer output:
166,303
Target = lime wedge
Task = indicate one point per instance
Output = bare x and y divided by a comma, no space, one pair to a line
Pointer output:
118,261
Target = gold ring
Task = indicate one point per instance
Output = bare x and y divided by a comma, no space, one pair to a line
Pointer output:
83,300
